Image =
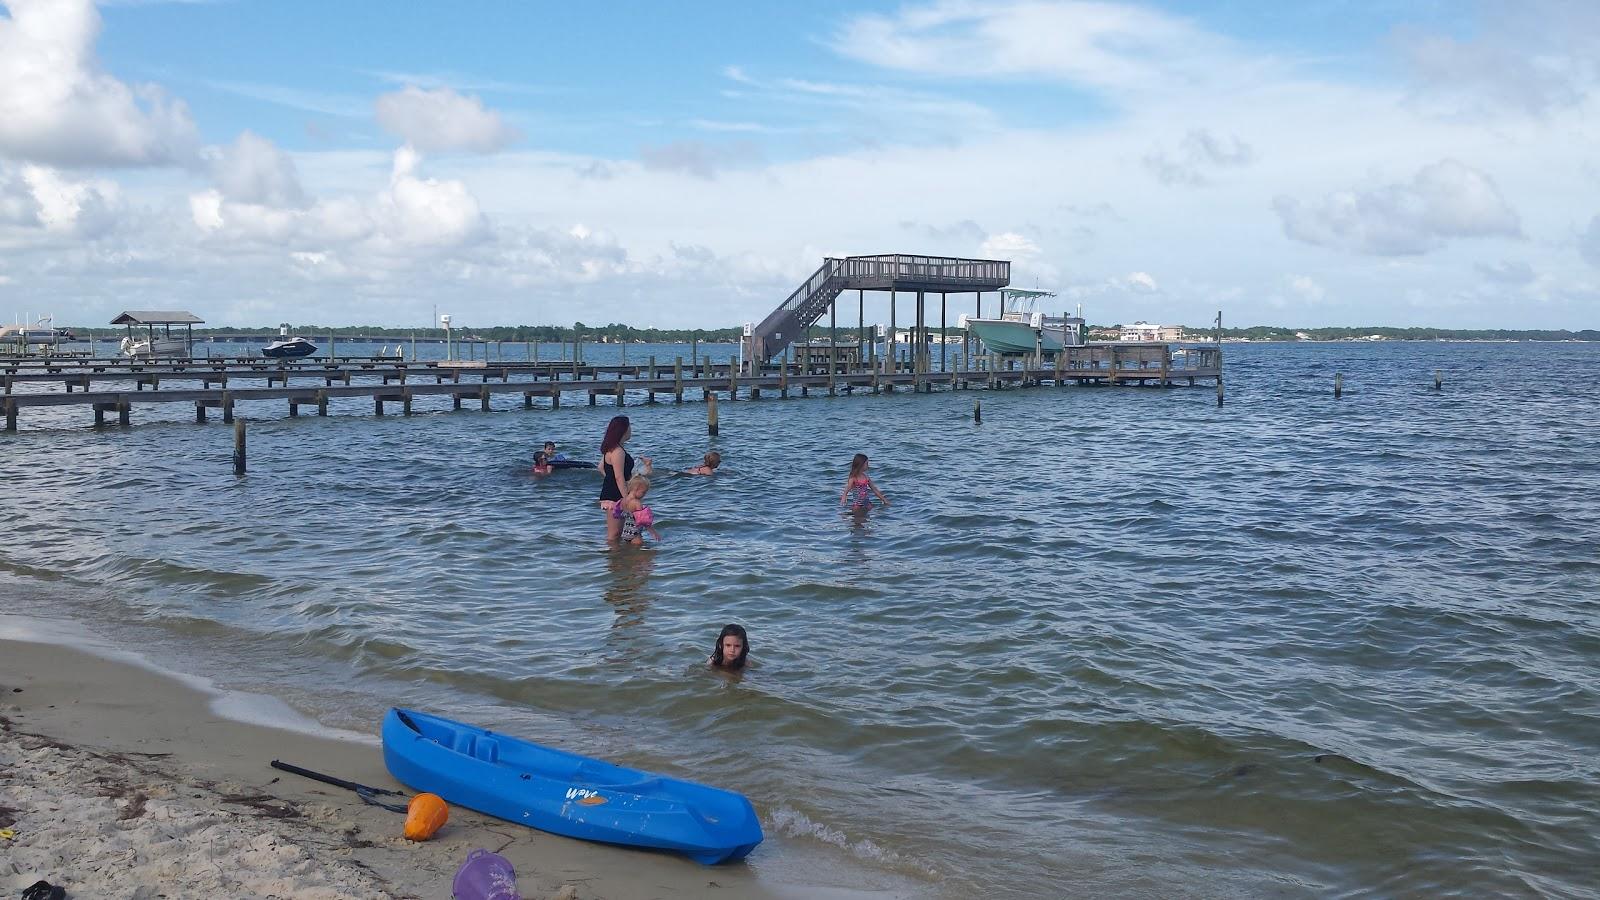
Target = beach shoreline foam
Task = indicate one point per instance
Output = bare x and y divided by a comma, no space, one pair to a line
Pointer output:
124,781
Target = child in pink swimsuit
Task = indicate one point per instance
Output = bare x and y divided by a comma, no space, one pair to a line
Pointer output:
636,517
858,488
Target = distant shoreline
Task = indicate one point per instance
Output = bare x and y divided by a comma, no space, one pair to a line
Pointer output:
625,334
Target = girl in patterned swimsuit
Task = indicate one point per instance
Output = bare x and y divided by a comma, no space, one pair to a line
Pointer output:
858,488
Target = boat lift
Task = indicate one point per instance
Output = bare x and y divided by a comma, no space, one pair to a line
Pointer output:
166,344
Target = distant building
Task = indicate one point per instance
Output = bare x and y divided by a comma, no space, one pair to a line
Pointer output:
1301,336
1144,331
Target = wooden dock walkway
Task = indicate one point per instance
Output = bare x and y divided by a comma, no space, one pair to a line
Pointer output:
394,382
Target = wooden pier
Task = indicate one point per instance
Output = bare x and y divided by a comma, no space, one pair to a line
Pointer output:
114,387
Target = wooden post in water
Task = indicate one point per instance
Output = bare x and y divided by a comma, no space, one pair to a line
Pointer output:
238,447
677,380
711,414
1219,391
1338,384
833,342
942,336
861,327
977,411
1438,380
889,347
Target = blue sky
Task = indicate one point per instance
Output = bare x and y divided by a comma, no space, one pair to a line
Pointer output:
1309,163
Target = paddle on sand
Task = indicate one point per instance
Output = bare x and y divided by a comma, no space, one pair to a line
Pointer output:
367,793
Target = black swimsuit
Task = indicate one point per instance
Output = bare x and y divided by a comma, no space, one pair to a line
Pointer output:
608,491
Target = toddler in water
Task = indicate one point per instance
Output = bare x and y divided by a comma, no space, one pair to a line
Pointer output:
541,462
636,517
708,467
858,488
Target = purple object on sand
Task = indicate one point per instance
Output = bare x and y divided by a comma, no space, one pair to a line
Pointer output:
485,876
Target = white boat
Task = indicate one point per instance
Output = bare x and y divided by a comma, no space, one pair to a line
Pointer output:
153,343
1023,328
145,347
42,333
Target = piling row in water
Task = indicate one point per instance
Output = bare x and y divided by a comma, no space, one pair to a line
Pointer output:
393,382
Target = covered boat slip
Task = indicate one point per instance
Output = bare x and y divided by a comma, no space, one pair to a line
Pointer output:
164,344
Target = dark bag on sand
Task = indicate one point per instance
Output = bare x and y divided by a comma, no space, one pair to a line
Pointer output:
44,890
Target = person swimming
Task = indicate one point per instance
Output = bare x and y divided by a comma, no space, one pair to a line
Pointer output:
551,454
541,463
732,650
708,467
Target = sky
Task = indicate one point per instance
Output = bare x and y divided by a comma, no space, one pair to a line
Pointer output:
1319,163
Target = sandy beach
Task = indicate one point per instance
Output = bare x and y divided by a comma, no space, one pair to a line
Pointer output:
118,781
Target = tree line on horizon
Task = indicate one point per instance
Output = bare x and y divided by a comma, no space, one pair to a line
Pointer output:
617,332
1281,333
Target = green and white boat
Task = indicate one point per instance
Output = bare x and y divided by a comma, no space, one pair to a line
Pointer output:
1023,328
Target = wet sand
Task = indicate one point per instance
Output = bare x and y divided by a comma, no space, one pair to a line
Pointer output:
122,782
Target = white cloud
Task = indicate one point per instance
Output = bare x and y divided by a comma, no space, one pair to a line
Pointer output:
427,211
1201,152
17,205
1589,242
1534,56
699,158
1447,199
1141,282
411,213
1514,272
442,120
1305,288
85,209
1117,47
254,170
1008,245
860,107
57,108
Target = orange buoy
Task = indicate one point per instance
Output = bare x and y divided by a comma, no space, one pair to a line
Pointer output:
426,815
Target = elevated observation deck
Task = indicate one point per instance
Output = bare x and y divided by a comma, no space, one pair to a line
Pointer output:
888,272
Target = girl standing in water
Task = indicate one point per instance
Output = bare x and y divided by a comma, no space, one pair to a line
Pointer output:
858,488
616,467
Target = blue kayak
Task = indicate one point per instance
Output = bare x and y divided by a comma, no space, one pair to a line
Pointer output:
564,793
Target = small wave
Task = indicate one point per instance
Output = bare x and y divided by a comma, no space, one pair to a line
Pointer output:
787,820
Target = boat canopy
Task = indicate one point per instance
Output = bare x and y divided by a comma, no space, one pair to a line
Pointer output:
158,317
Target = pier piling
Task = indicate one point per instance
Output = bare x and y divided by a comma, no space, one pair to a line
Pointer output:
711,414
238,447
1438,380
1338,384
977,412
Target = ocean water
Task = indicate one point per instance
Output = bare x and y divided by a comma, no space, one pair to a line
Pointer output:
1110,641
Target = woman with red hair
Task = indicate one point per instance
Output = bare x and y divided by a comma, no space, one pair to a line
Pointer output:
616,465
